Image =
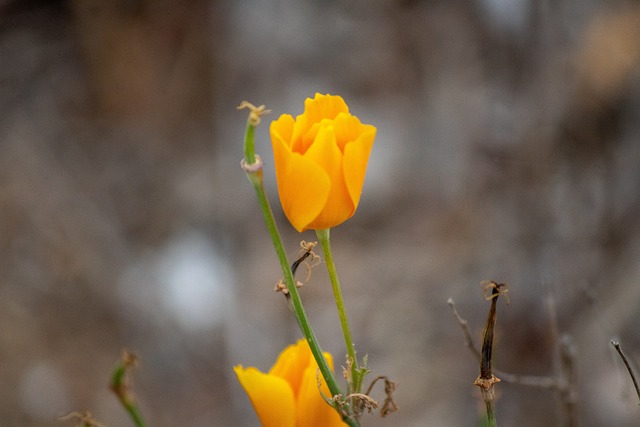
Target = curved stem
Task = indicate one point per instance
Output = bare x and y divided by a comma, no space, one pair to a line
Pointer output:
324,238
254,173
119,387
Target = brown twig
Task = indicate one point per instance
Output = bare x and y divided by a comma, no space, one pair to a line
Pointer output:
388,406
85,419
307,248
487,380
616,345
525,380
564,382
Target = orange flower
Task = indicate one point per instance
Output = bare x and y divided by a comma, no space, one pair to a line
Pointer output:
320,161
288,395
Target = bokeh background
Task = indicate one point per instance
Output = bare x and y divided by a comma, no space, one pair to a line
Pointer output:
507,149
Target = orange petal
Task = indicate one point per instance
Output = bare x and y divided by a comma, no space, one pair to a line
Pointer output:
292,363
303,186
271,397
315,109
348,129
311,408
283,127
324,107
324,152
356,157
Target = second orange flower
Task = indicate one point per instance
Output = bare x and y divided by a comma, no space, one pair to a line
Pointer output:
290,394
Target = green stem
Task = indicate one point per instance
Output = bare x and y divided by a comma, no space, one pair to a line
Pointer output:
255,177
135,415
324,238
491,414
121,390
249,148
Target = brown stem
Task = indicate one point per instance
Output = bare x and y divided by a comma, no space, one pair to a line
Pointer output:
487,380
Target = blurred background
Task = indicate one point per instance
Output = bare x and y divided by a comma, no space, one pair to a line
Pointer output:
507,149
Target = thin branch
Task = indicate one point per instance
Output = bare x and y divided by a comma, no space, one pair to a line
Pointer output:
564,363
543,382
465,329
568,394
628,365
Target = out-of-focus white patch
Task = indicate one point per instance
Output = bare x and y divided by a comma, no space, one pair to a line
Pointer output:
195,281
187,280
43,392
510,15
